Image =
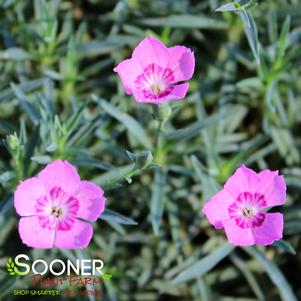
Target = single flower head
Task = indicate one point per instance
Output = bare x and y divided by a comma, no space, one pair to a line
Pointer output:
56,206
155,73
240,207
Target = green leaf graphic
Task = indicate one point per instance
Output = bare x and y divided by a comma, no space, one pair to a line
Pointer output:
106,276
10,266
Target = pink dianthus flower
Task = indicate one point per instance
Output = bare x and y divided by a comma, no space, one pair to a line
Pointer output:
56,208
240,207
155,73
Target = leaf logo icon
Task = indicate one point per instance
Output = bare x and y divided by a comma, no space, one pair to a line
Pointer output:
106,276
11,268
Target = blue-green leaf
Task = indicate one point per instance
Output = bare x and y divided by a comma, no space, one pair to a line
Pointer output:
15,54
115,217
227,7
283,39
204,265
248,23
25,104
195,128
129,122
251,32
41,159
25,87
274,273
157,202
186,21
285,246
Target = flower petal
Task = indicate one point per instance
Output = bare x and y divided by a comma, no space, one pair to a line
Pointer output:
139,97
128,71
243,180
33,235
91,201
26,196
216,209
182,62
270,230
77,237
236,235
150,51
178,92
60,174
273,187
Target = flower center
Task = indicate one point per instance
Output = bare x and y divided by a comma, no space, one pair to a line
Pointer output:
247,210
155,89
57,210
155,82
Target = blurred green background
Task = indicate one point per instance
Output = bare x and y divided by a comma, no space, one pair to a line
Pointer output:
59,98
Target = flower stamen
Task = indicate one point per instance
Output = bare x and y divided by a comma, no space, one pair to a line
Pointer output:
57,212
248,212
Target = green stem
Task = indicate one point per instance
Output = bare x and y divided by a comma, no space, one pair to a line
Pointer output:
19,165
161,113
159,149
